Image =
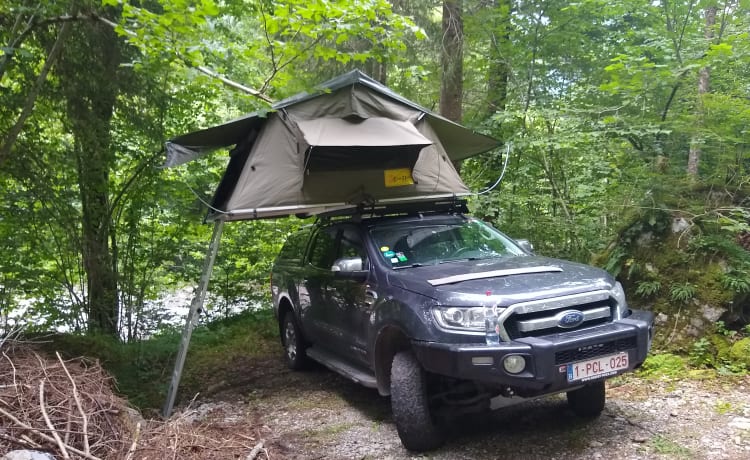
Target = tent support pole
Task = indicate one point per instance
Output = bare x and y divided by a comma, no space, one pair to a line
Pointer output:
192,319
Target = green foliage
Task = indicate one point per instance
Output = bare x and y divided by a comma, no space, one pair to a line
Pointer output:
740,353
648,288
682,292
659,365
143,369
665,446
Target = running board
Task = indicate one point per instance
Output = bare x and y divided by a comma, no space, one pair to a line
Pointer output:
338,365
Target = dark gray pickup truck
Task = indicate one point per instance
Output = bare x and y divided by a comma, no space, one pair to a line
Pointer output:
445,314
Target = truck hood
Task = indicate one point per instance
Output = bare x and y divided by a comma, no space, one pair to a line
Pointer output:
508,280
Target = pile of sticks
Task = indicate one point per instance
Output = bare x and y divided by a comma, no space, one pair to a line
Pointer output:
66,408
69,409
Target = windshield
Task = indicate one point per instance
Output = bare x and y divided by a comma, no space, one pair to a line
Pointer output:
409,245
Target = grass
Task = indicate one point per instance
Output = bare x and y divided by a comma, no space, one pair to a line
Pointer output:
142,370
665,446
329,431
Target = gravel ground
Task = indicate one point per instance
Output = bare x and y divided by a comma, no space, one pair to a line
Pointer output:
317,414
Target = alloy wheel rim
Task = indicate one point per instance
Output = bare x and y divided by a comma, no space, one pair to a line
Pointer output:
291,342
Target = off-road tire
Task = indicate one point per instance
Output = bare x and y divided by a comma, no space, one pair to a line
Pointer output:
588,401
294,344
409,402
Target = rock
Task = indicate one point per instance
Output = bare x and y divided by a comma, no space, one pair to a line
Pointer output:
645,239
661,318
595,444
27,455
742,423
712,314
679,225
639,438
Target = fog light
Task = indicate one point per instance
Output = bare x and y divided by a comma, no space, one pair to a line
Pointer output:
514,364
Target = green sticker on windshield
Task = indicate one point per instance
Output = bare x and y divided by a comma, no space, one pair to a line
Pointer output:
401,257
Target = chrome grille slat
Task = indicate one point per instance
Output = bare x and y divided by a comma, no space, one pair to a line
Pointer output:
556,305
552,321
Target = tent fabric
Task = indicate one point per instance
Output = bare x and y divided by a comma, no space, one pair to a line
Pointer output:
331,150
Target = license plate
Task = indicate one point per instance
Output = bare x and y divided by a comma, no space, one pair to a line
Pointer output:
597,367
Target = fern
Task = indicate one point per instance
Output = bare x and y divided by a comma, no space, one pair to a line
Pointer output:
682,292
647,289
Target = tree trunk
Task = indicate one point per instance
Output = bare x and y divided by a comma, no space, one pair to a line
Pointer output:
499,70
704,80
452,56
88,77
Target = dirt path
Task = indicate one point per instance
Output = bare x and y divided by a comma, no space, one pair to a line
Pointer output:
317,414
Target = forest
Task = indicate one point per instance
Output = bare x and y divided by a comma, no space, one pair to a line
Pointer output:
626,123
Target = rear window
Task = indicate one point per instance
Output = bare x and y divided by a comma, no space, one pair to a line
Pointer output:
294,248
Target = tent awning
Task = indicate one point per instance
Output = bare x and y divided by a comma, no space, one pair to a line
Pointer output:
459,142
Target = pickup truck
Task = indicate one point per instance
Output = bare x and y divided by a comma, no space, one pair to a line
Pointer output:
445,314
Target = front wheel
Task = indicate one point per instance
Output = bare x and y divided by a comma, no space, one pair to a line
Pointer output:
294,344
409,402
588,401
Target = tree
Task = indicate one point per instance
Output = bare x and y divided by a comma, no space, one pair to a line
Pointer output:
451,58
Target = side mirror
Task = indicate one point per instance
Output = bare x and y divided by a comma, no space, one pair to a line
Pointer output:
349,268
526,245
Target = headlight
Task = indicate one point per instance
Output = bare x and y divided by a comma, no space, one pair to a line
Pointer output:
469,319
622,305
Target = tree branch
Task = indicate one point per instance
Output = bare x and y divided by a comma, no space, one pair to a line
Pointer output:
65,18
16,129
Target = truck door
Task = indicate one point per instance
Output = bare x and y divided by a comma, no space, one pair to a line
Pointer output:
318,318
350,297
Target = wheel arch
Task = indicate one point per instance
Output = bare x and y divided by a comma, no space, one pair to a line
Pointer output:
391,340
285,305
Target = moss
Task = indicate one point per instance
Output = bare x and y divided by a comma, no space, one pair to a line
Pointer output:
740,352
721,346
663,365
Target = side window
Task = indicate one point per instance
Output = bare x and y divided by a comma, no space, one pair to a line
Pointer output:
351,245
294,248
323,249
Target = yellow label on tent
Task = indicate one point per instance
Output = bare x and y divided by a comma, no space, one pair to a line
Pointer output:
398,177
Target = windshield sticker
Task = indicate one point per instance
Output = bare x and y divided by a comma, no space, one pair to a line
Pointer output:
384,249
389,254
394,260
401,257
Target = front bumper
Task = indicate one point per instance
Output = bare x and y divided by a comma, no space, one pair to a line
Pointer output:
546,357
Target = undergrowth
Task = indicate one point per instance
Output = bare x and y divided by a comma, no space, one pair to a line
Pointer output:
143,370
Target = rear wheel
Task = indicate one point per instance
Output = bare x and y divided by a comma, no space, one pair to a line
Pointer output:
410,404
588,401
294,344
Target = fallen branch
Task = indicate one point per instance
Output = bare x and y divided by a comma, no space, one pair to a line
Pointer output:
59,442
44,436
256,450
133,446
84,417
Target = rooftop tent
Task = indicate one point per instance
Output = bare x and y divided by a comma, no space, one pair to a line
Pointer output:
353,141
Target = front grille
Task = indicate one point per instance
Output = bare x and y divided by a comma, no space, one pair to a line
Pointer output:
542,323
592,351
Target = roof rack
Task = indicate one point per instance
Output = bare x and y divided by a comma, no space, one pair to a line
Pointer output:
451,205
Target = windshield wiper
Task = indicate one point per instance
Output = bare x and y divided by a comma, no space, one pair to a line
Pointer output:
462,259
416,264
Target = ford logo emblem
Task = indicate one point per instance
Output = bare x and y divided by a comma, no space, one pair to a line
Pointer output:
569,319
